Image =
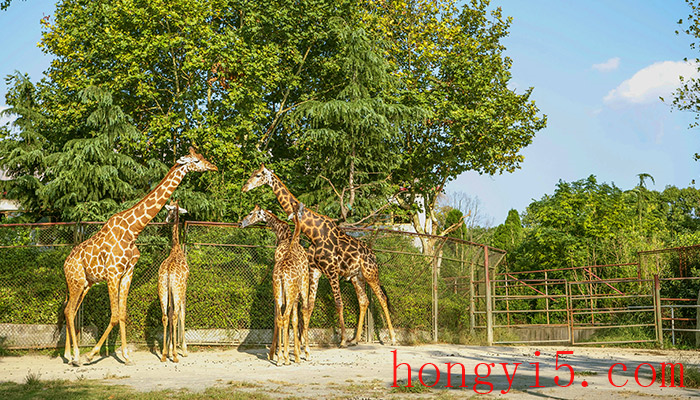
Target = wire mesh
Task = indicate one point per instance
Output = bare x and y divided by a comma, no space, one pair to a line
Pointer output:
229,296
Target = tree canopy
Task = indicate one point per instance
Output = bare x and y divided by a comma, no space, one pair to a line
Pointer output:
359,106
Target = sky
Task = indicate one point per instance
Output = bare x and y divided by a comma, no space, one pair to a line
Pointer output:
597,68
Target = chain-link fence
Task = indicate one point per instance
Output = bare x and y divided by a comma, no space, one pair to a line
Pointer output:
229,294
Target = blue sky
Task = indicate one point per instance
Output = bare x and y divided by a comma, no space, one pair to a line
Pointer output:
597,68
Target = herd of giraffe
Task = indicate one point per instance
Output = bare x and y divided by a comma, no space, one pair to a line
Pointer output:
110,255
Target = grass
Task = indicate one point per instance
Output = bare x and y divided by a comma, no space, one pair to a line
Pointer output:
415,389
36,388
691,376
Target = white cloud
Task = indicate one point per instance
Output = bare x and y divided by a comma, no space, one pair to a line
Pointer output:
658,79
608,66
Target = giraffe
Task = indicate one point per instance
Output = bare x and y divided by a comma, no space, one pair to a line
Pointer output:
111,253
172,286
332,253
290,279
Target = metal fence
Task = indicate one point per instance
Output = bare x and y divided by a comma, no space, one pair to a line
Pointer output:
646,301
229,295
449,292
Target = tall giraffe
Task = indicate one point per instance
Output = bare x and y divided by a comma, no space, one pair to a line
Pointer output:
172,286
290,279
333,253
111,253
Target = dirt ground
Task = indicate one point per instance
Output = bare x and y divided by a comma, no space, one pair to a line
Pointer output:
367,371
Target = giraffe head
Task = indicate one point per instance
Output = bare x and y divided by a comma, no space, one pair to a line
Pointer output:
195,162
172,210
255,216
262,176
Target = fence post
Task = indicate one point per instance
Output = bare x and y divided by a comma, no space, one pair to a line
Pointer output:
489,305
472,315
570,313
657,310
435,298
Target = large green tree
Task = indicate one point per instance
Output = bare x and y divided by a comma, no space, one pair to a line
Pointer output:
223,74
687,96
352,132
451,62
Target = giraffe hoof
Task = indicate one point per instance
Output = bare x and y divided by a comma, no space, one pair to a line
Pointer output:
343,344
353,343
76,363
129,362
163,358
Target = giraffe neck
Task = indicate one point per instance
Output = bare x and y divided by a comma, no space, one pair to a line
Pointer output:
278,226
284,196
176,229
146,209
309,221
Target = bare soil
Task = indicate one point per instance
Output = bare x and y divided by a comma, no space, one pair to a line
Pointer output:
367,371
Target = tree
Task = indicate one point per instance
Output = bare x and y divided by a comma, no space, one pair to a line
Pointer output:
687,96
24,147
509,235
350,134
86,177
452,64
221,73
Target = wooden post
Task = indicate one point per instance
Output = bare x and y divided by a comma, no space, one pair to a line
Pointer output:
489,304
657,310
435,299
472,314
546,294
570,313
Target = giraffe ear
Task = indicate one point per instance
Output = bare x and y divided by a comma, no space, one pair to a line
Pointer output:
193,150
181,210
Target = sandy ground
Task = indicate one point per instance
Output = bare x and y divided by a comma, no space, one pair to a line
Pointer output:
366,371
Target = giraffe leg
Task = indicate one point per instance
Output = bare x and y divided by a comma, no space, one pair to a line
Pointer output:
276,337
280,336
335,288
285,330
182,326
113,289
295,329
314,276
363,301
377,289
163,295
306,313
174,324
76,293
124,286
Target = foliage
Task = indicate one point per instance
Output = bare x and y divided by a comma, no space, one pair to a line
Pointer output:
352,131
381,99
509,235
451,63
